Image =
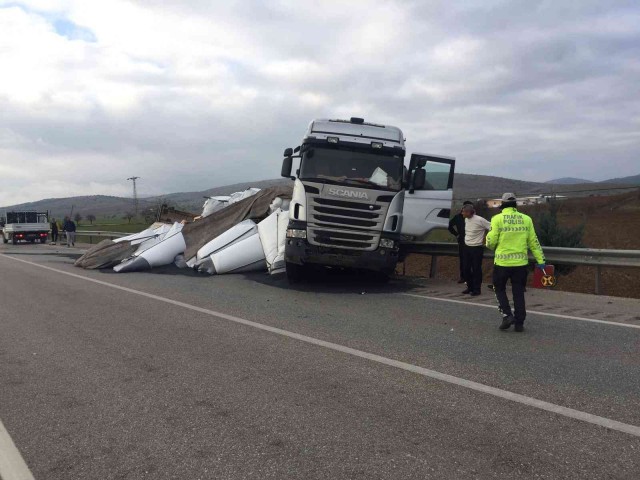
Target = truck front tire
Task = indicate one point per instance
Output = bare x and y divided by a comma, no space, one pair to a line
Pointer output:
295,272
4,239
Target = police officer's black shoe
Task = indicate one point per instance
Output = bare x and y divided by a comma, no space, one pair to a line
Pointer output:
519,327
506,322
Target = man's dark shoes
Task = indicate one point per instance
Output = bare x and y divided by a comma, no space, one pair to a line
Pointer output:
475,294
506,322
466,291
519,327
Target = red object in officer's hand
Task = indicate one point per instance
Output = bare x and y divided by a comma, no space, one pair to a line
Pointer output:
544,279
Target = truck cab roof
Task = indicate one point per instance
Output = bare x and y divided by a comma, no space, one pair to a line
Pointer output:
356,130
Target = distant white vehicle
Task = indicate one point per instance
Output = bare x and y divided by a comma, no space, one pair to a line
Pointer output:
24,226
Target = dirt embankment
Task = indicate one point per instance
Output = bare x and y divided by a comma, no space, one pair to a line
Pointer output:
610,222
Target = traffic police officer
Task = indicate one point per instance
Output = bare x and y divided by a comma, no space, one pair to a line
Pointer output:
511,236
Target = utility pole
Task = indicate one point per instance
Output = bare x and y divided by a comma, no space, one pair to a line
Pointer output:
135,193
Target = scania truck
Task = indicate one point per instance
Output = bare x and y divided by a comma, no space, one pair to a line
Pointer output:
356,204
24,225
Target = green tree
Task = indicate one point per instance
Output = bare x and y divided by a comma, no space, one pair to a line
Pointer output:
128,216
91,217
77,218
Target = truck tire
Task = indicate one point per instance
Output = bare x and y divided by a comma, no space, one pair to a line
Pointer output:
13,240
4,239
382,277
295,272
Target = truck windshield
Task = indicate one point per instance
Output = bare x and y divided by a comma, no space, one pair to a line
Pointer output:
352,167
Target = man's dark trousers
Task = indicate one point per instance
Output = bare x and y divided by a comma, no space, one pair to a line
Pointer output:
461,246
518,277
473,267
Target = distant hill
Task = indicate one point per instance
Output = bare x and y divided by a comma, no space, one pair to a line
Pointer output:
632,180
107,206
466,186
568,181
98,205
193,201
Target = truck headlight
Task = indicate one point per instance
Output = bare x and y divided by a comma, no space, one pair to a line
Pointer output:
387,243
295,233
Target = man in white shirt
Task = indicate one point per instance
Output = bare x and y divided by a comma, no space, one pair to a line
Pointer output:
475,231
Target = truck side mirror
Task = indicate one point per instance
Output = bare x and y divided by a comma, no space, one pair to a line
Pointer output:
287,164
419,179
288,152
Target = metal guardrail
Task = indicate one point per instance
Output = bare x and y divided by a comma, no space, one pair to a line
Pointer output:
99,234
593,257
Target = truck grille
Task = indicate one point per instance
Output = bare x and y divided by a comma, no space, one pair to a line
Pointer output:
346,224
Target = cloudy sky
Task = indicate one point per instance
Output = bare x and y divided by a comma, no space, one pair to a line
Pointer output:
191,94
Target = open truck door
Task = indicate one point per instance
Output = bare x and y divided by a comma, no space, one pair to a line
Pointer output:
428,197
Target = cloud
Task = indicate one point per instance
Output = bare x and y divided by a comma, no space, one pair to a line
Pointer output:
194,94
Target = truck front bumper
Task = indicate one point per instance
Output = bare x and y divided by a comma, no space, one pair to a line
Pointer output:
300,252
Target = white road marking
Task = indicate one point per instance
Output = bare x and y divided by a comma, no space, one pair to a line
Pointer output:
12,465
495,307
479,387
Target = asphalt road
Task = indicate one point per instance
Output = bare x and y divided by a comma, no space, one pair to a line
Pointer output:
101,383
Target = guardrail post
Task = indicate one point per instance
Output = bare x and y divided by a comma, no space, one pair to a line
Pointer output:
598,280
434,266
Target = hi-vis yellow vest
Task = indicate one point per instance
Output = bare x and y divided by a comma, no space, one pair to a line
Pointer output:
511,236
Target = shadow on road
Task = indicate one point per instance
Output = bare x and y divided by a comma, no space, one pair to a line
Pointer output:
336,281
321,280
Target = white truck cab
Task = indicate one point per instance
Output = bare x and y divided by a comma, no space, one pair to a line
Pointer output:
355,203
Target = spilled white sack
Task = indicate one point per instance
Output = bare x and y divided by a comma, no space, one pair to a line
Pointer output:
236,233
155,252
244,256
213,204
273,236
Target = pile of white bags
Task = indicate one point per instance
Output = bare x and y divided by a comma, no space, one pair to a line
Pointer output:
244,247
214,204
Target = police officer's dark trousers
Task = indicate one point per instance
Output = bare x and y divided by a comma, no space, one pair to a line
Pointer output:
518,277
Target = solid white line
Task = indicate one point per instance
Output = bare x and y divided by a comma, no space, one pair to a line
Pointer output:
479,387
556,315
12,465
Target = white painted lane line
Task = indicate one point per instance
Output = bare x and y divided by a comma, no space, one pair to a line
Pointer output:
535,312
12,465
479,387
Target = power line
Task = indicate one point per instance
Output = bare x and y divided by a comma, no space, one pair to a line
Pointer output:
135,194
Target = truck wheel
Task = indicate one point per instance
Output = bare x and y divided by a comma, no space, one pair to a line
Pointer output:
382,277
295,272
4,239
13,239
